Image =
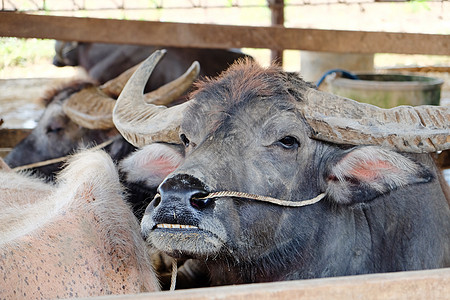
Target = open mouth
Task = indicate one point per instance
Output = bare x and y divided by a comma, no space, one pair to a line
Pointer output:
184,241
175,226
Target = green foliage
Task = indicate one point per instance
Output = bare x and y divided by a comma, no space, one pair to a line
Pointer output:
417,5
21,52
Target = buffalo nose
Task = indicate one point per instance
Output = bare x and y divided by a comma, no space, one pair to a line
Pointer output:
186,188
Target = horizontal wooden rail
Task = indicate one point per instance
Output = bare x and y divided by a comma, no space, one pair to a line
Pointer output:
10,137
430,284
14,24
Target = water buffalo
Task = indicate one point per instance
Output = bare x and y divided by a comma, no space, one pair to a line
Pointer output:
80,114
104,62
280,181
75,238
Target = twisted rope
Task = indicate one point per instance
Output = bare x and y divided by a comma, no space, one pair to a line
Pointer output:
264,198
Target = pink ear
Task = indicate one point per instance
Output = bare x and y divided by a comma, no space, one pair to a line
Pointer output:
367,172
152,163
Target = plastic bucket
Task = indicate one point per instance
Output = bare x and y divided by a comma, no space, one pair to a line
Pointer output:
389,90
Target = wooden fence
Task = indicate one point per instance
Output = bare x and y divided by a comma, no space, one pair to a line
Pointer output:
430,284
417,285
14,24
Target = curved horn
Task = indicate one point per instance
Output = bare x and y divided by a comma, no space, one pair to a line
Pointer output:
90,108
419,129
141,123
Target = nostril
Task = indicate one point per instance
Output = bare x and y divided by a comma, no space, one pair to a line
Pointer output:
199,201
156,201
184,189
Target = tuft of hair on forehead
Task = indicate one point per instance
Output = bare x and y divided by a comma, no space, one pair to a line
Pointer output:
70,88
245,80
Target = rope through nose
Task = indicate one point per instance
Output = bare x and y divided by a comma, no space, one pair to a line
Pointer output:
265,198
247,196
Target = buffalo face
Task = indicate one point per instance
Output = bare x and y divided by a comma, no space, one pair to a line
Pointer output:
260,145
224,153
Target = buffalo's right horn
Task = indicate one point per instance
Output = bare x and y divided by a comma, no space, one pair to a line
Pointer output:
142,123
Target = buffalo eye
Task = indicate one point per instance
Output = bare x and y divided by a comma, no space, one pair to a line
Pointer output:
55,128
57,125
288,142
185,140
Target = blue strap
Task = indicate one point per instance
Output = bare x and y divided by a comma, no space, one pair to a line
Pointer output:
345,74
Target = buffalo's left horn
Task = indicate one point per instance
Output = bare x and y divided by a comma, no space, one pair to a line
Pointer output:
140,122
92,107
419,129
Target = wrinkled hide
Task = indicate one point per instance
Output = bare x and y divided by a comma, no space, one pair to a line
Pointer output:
383,211
77,238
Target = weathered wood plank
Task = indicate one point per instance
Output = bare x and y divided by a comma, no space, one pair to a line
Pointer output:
10,137
430,284
218,36
277,16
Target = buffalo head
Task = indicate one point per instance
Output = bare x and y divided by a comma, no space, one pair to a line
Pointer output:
269,141
77,115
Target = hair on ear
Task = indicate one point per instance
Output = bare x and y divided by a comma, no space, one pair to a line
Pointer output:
365,173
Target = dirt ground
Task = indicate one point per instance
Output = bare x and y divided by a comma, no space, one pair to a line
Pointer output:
21,92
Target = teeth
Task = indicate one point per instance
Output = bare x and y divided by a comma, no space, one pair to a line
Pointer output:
177,226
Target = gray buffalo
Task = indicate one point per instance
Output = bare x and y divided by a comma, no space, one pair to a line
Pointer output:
58,133
280,181
104,62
